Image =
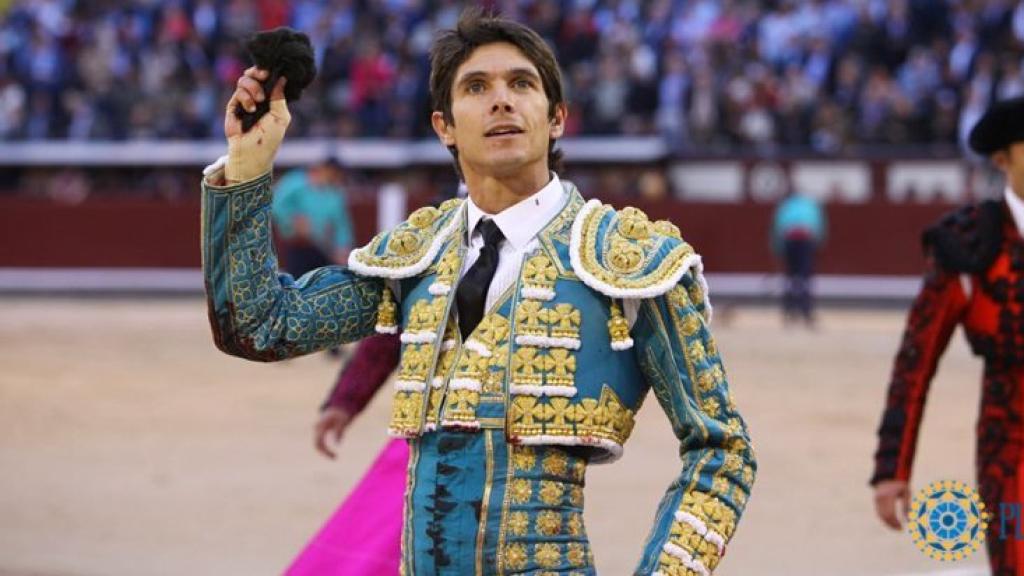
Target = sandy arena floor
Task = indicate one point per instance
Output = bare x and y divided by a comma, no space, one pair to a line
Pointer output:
130,446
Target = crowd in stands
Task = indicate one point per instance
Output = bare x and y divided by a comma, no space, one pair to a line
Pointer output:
829,76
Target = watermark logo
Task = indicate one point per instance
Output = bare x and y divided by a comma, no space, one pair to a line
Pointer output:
948,520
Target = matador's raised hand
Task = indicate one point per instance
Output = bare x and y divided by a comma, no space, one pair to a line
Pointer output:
251,154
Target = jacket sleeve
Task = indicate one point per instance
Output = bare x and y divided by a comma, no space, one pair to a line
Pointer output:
936,311
700,510
372,363
258,313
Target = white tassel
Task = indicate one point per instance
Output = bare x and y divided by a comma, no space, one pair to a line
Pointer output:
537,293
534,390
548,341
410,386
478,347
439,289
422,337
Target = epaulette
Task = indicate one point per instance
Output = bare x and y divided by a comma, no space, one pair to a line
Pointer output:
968,239
411,247
622,254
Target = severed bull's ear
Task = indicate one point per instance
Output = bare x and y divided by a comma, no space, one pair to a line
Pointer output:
282,52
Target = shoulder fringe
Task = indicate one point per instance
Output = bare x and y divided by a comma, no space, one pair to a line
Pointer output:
692,261
405,271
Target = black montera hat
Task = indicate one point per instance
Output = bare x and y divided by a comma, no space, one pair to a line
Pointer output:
1001,125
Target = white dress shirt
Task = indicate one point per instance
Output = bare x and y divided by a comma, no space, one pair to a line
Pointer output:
1016,208
520,224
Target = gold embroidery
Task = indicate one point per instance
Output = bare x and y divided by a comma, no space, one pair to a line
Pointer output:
518,523
491,331
575,524
555,462
695,353
696,292
424,217
706,380
415,362
690,324
576,554
558,416
408,244
547,555
539,272
527,415
531,318
579,470
576,496
748,475
494,376
448,266
623,258
732,463
520,490
550,492
549,523
471,365
666,228
559,367
405,412
527,366
618,327
524,457
565,321
462,405
425,315
387,311
720,484
404,242
716,514
687,538
515,556
634,224
449,204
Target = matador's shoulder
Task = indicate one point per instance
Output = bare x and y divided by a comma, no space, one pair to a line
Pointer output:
622,254
411,247
967,240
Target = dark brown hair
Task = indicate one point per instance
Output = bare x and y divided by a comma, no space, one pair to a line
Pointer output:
475,29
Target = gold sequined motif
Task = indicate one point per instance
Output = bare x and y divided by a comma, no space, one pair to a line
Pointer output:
539,515
539,272
589,419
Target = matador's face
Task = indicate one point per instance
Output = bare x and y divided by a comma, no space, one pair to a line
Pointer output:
501,124
1011,162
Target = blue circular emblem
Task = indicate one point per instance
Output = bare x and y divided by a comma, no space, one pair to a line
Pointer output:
948,520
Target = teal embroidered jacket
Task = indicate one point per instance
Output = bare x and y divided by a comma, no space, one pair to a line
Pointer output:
556,361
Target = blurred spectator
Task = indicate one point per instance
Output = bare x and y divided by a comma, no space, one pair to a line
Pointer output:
797,233
816,76
311,217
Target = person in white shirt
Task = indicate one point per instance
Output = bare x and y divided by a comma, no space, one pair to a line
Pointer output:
533,324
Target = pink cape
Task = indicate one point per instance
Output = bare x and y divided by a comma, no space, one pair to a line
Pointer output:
363,537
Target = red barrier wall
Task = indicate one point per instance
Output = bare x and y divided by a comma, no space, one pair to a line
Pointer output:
872,238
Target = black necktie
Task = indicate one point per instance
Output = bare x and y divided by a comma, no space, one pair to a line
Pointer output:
472,291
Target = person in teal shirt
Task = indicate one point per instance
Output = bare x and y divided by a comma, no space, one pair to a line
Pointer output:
311,217
797,233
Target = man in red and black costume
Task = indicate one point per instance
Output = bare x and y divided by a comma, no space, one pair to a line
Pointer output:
975,278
